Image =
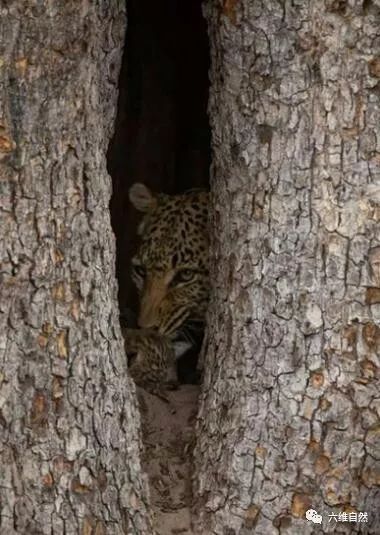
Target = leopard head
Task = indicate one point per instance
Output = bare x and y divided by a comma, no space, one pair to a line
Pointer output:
170,267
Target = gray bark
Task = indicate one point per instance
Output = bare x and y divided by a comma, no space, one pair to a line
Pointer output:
69,426
289,410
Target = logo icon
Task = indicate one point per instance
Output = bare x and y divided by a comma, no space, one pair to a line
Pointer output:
313,516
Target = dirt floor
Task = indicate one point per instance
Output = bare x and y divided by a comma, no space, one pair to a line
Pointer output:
168,433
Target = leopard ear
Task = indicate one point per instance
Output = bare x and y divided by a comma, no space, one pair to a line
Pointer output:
142,198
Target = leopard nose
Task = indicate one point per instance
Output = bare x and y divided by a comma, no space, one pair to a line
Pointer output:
147,325
147,321
150,305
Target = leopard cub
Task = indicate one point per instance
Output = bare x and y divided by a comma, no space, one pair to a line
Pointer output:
151,359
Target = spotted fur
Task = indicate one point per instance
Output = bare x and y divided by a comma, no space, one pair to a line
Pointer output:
152,362
171,266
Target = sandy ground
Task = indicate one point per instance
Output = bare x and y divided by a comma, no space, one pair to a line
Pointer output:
168,438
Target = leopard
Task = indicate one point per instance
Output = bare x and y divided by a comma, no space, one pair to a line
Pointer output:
171,266
151,360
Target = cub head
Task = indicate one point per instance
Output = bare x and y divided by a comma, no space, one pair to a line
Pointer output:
170,267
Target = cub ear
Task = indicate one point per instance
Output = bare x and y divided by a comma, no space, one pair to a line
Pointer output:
141,197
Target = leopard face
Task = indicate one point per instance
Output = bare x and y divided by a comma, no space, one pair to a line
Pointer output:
171,266
151,359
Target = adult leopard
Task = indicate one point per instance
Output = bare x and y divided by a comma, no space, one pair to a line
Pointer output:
171,265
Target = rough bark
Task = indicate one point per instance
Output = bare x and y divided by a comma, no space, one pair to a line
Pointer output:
69,428
289,413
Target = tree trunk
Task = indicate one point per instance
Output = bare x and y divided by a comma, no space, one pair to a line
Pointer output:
288,417
69,427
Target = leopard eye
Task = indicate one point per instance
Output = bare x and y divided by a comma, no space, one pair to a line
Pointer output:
139,270
184,275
